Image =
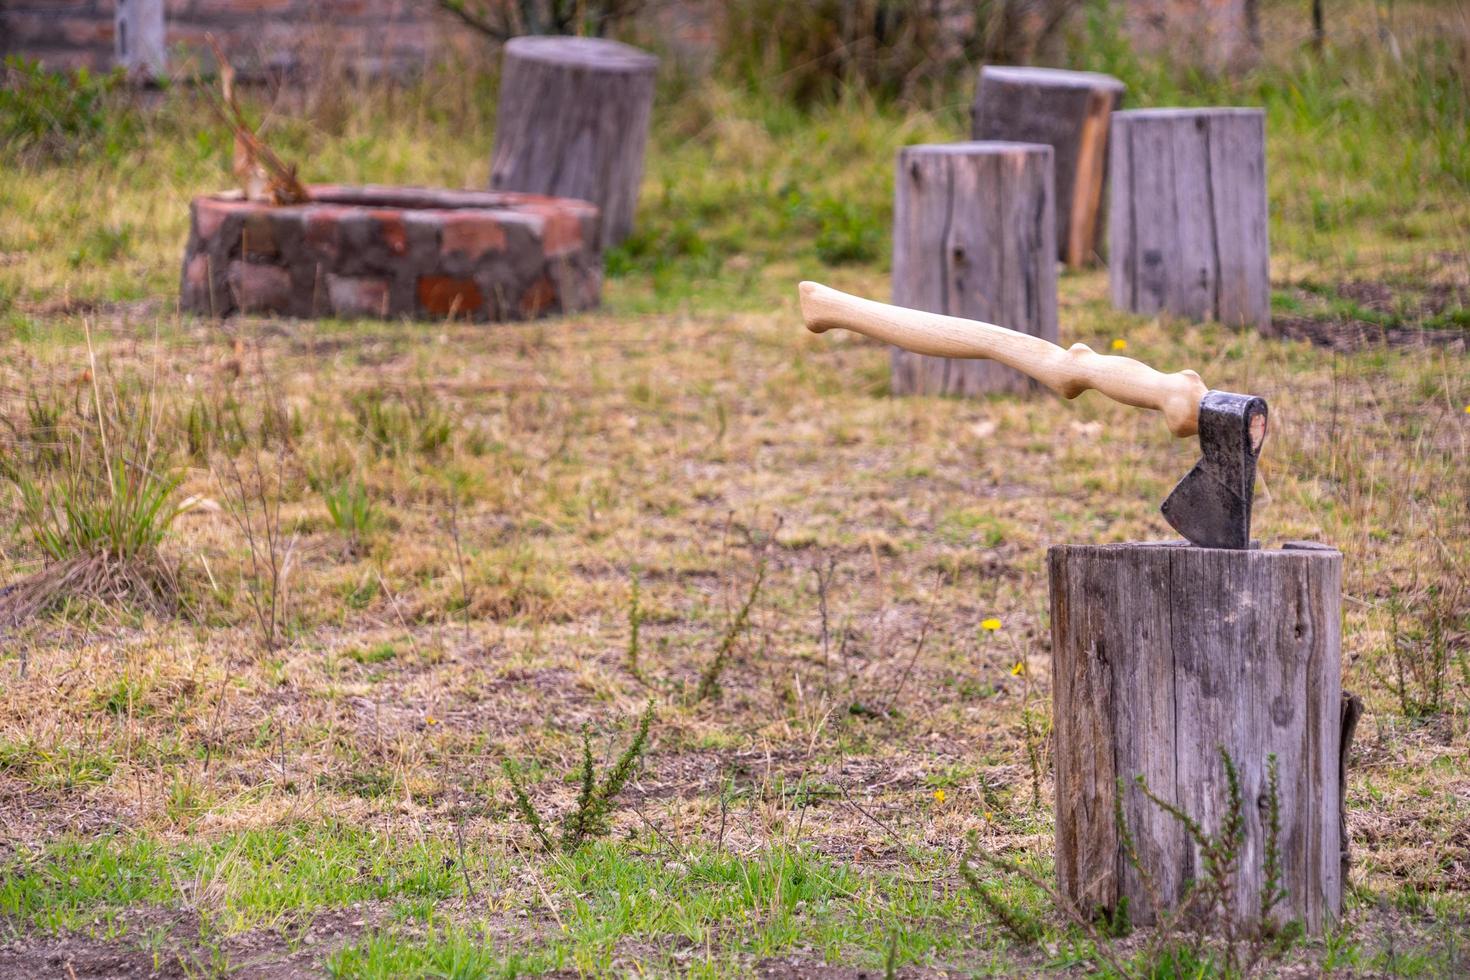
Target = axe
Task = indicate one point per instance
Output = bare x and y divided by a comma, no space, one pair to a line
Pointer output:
1211,506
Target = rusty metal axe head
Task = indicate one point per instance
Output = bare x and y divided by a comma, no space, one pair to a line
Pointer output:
1211,506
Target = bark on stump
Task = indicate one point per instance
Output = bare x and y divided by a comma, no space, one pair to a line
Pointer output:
1187,216
573,122
974,235
1161,654
1069,110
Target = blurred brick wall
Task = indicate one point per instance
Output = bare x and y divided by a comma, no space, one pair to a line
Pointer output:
260,36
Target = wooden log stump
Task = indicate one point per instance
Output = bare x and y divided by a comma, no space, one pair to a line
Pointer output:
1187,216
1163,653
1069,111
139,38
573,122
974,235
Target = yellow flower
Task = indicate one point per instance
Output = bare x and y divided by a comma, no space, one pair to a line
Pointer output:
991,624
1119,343
1467,409
1019,669
430,720
988,815
939,797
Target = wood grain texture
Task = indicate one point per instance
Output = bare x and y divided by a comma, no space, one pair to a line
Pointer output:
1070,112
138,37
1187,214
573,122
974,236
1068,372
1162,653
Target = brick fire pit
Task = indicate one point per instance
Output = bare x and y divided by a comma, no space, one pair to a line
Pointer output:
393,252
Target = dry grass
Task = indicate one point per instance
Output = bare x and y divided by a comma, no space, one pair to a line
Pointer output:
486,615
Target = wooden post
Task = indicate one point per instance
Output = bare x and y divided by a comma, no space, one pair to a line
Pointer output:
1187,218
138,37
1162,653
974,235
1069,110
573,122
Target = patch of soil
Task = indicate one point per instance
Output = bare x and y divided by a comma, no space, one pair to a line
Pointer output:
1351,335
1406,305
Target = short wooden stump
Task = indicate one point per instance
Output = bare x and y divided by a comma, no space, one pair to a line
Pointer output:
573,122
1187,228
974,236
1161,655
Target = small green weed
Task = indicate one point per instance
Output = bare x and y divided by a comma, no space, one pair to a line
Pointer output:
589,819
353,511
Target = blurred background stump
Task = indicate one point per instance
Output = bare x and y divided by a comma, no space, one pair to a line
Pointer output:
1069,111
1164,653
1187,219
573,122
974,235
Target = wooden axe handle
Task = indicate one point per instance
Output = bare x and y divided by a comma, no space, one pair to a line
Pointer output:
1067,372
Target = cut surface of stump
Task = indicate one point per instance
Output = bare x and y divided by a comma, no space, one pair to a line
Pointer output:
1070,112
573,122
1162,654
392,252
974,235
1187,216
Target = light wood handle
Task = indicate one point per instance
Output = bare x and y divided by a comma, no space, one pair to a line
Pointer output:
1067,372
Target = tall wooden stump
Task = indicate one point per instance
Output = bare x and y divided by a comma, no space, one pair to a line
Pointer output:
1161,654
1187,216
1068,110
139,37
974,235
573,122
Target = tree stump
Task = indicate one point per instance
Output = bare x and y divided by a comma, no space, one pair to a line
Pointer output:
138,38
573,122
1163,653
1187,216
1068,110
974,235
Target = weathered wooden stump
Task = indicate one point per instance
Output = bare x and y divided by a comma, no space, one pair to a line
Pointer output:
139,38
1069,111
974,235
573,122
1163,653
1187,215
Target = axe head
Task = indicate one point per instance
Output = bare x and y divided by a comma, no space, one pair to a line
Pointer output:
1211,506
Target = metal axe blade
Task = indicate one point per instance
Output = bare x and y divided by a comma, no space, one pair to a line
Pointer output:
1211,506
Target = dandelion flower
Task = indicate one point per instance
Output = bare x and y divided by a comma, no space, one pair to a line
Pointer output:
430,720
1467,409
988,815
1019,669
939,797
991,624
1119,343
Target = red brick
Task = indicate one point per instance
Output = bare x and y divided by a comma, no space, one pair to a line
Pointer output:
563,231
354,296
321,229
258,235
211,212
196,273
390,230
539,298
470,233
260,288
447,296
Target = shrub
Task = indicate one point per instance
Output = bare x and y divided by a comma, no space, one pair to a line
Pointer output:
52,116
